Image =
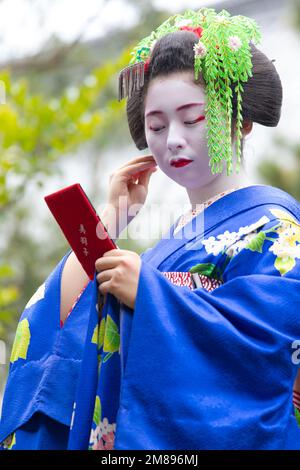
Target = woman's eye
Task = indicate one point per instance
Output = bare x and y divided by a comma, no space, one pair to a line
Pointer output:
200,118
157,129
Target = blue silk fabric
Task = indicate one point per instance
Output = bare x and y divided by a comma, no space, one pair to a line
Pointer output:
187,368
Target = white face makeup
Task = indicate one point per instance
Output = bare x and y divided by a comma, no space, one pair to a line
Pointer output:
177,130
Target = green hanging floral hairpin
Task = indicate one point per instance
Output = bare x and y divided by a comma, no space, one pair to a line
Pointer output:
223,56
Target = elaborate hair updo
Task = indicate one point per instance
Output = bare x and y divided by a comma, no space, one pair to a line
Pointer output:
173,53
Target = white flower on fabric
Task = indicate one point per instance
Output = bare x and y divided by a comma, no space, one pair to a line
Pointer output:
105,427
234,43
288,230
217,245
38,295
240,245
183,22
283,249
285,245
94,436
200,49
212,246
101,430
250,228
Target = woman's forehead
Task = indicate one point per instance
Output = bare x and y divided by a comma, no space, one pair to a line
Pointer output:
175,87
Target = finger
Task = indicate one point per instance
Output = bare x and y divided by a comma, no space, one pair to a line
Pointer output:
143,158
106,263
105,275
113,252
144,178
110,253
136,168
104,287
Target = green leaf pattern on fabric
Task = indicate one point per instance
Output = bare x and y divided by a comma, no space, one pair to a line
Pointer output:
106,336
101,333
21,342
95,335
97,411
111,336
209,270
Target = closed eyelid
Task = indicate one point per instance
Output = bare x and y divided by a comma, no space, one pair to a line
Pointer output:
200,118
195,120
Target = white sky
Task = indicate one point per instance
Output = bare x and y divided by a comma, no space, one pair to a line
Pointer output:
23,33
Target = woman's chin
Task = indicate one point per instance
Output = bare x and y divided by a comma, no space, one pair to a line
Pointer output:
186,184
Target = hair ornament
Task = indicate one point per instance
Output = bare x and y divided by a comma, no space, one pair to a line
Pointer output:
223,56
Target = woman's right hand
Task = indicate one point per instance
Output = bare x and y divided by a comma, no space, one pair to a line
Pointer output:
128,185
128,190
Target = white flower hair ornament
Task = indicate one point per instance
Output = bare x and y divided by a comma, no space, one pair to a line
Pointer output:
223,56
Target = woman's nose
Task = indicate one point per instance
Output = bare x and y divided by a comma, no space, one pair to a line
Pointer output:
175,141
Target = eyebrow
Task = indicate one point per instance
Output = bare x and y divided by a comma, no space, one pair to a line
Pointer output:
177,109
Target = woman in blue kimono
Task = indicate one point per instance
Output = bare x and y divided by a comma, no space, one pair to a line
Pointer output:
196,343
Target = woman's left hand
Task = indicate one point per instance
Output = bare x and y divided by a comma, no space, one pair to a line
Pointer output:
119,272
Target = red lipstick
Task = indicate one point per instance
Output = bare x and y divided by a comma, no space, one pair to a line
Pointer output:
179,162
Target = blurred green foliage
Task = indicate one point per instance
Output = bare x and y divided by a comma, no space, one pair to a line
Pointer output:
35,132
272,167
275,174
8,295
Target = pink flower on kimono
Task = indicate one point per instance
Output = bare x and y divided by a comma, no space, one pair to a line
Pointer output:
103,437
109,440
106,442
98,445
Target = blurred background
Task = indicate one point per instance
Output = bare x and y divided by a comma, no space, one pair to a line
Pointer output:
62,123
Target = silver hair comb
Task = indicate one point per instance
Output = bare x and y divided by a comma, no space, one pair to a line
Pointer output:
131,79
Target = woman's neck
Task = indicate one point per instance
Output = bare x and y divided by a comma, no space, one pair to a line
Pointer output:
220,183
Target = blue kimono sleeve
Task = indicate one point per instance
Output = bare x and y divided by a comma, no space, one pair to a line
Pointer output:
214,370
44,369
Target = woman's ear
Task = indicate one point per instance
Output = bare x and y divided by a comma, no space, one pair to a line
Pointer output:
247,127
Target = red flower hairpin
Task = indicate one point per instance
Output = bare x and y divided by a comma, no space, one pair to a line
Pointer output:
197,31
